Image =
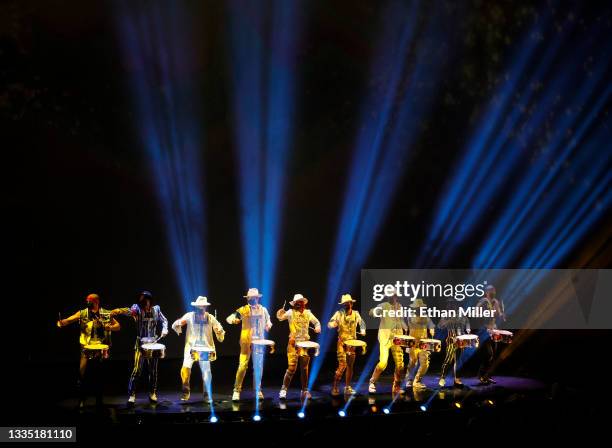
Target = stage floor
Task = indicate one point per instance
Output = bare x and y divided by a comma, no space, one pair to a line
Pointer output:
322,405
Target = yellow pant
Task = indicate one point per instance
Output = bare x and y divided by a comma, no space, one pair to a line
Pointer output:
243,365
292,362
346,361
383,360
420,356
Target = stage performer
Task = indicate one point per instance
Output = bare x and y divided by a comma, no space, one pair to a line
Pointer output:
299,323
454,326
387,329
200,327
148,318
488,348
255,323
419,327
346,321
96,325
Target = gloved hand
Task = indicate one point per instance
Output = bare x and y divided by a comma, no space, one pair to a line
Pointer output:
164,333
362,332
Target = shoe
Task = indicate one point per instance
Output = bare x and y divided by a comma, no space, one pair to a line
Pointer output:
306,395
236,396
348,390
335,392
458,383
372,388
491,380
185,396
282,395
132,400
484,381
418,385
152,397
260,395
442,382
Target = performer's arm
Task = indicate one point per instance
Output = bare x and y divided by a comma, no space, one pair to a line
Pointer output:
432,327
164,322
282,315
316,323
217,328
113,325
123,311
333,322
178,324
63,322
362,324
234,318
268,321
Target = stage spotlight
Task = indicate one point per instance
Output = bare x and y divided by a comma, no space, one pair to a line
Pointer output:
214,419
490,402
386,411
301,414
256,418
423,408
342,413
458,405
374,409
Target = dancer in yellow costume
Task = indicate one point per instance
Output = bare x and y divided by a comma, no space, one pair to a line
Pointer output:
346,321
419,328
255,323
299,322
387,329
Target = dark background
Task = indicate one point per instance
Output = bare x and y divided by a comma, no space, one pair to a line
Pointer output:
84,215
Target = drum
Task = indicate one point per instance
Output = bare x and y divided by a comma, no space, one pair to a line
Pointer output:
262,345
203,353
355,346
466,341
431,345
503,336
307,348
153,351
403,340
96,350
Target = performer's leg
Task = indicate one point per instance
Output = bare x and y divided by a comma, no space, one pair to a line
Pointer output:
206,380
413,354
449,357
186,374
487,354
136,372
398,374
81,386
152,364
292,360
350,363
383,359
243,364
258,362
423,366
341,355
304,364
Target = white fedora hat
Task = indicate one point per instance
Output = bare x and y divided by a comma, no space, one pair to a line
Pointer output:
253,292
298,298
346,298
200,301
